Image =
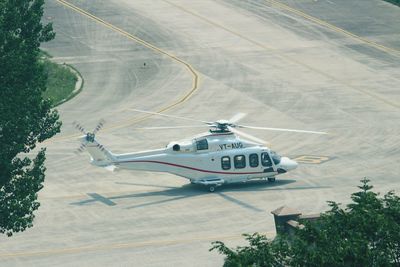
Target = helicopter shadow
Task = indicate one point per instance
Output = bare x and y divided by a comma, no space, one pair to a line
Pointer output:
255,185
193,190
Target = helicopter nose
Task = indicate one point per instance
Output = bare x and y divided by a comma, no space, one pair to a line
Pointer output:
288,164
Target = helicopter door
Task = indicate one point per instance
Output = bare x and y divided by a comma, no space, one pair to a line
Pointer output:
266,162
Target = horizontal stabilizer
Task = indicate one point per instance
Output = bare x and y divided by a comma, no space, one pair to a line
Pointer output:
111,168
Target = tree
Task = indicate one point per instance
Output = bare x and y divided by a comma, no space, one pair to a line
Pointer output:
25,117
365,233
260,252
395,2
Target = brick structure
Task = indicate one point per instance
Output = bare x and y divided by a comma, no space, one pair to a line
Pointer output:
287,219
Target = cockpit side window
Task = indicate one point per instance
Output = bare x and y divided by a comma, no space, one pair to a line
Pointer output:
275,157
226,163
266,160
253,160
202,144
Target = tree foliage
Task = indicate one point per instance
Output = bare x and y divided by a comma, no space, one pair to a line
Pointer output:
260,252
395,2
25,117
365,233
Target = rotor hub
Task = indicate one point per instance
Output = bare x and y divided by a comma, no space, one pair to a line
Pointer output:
221,126
90,137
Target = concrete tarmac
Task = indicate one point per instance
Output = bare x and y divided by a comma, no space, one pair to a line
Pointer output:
326,65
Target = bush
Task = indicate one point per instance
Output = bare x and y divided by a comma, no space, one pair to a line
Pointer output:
60,83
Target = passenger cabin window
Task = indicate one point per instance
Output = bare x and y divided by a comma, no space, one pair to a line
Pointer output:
226,163
202,144
253,160
240,161
266,160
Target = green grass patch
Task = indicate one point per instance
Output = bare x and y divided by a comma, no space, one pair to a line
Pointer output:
60,83
394,2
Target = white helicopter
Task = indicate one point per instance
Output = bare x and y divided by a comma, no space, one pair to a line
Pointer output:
212,159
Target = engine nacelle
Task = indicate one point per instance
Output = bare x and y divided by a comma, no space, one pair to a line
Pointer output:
181,146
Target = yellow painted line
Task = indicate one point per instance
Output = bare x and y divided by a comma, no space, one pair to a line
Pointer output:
333,27
312,159
219,25
286,57
107,247
192,71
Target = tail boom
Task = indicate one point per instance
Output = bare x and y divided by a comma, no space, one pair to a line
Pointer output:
100,156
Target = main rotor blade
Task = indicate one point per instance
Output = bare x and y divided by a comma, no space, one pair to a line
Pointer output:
169,116
170,127
79,127
248,136
99,126
237,117
80,149
280,129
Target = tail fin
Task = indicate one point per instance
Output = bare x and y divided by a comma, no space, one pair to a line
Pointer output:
100,156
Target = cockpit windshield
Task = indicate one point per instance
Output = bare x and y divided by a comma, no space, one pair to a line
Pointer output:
275,157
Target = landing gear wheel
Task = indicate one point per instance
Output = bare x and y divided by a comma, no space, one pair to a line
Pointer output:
271,179
211,188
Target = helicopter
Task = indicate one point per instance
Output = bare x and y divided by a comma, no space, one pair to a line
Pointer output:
223,155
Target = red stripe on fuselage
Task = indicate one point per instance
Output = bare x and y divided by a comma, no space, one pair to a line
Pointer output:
187,167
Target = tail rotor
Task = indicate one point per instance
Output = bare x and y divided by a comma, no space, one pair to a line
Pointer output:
89,137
